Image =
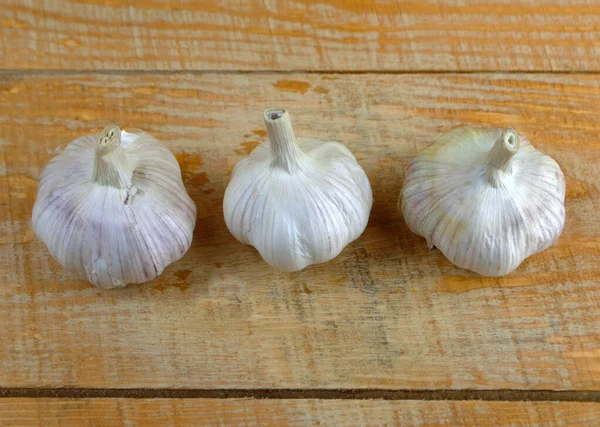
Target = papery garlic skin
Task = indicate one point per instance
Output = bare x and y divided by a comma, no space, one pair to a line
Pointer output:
113,208
296,207
486,198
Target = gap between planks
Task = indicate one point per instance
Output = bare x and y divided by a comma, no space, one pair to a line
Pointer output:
116,72
324,394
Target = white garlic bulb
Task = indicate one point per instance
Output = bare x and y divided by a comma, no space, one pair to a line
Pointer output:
486,198
296,207
113,208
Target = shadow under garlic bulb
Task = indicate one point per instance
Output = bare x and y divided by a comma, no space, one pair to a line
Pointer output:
113,208
486,198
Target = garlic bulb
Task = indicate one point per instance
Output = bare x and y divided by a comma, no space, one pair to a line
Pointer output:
113,208
486,198
296,207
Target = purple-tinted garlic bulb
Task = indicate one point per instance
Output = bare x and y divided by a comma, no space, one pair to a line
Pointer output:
113,208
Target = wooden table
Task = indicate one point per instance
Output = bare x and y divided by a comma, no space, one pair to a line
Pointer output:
388,333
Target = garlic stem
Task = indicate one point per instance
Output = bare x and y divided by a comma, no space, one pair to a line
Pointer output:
284,151
111,166
499,158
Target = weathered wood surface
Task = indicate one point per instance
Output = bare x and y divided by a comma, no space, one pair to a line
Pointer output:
387,313
526,35
248,412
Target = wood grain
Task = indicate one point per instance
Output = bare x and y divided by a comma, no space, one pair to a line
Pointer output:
387,313
248,412
525,35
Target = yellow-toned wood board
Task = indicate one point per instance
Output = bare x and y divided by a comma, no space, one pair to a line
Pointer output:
387,313
526,35
301,412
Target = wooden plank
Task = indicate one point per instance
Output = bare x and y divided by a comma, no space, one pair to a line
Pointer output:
301,412
477,35
387,313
